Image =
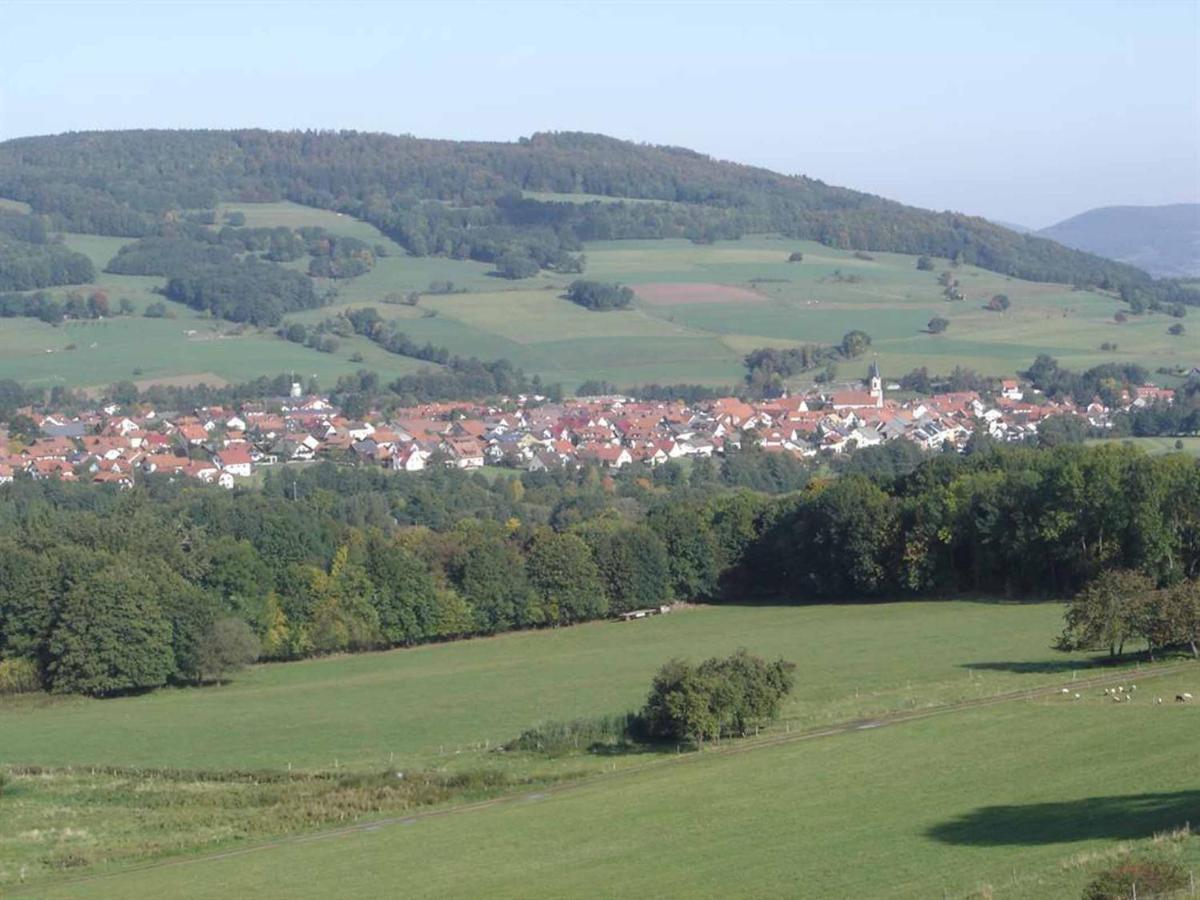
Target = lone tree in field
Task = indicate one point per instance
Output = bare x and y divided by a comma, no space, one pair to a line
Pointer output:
924,264
1109,611
998,303
937,325
1175,330
796,256
718,698
855,343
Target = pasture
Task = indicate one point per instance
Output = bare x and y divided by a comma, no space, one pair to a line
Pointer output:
1022,801
699,310
139,778
419,706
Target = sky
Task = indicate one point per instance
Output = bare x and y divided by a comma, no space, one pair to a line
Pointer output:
1020,111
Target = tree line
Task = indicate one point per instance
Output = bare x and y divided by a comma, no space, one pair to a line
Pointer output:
103,591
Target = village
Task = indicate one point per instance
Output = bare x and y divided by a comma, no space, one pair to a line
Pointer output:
226,446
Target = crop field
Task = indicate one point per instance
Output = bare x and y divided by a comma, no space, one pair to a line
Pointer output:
949,801
699,310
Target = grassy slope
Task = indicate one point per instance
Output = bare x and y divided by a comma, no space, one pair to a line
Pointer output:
423,704
1019,797
528,323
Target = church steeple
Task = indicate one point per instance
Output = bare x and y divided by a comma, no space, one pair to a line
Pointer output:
876,382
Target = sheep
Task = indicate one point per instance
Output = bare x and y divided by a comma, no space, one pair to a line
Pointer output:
1065,691
1183,698
1158,699
1077,697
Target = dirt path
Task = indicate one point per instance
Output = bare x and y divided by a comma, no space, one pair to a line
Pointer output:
747,745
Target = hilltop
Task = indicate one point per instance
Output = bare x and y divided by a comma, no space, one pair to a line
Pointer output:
1162,240
466,198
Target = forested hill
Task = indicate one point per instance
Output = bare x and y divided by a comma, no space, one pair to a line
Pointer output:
1163,240
469,199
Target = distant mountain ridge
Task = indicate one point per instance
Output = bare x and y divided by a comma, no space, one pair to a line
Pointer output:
1161,240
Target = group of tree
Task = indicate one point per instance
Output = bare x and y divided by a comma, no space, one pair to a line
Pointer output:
1121,607
1108,381
243,290
31,258
76,304
729,697
599,296
768,368
470,200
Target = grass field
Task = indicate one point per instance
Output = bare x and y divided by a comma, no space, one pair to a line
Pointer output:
872,813
1021,801
689,339
1004,795
420,706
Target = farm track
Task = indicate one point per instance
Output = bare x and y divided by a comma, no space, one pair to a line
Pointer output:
747,745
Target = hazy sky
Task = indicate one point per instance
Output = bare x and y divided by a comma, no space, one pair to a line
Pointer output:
1027,112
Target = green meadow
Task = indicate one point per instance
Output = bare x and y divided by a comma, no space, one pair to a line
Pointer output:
1025,801
1025,796
527,321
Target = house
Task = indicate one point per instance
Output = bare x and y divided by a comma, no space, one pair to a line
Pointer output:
234,461
1010,389
463,452
408,458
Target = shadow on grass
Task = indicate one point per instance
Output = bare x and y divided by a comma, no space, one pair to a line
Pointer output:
632,749
1096,818
1043,667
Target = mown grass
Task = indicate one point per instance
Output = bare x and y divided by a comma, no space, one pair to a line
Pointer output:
422,707
1021,800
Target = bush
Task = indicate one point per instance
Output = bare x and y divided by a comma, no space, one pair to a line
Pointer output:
19,676
796,256
560,738
937,325
718,698
1150,877
3,783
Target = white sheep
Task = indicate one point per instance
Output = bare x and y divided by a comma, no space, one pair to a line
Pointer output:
1183,698
1077,697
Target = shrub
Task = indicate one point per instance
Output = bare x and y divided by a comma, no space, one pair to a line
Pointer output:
19,676
937,325
3,783
796,256
559,738
1150,877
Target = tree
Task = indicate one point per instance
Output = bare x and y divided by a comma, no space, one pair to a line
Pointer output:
516,265
1107,612
795,256
1176,330
564,575
998,303
599,295
228,646
937,325
924,264
855,343
111,635
718,698
1171,618
634,568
